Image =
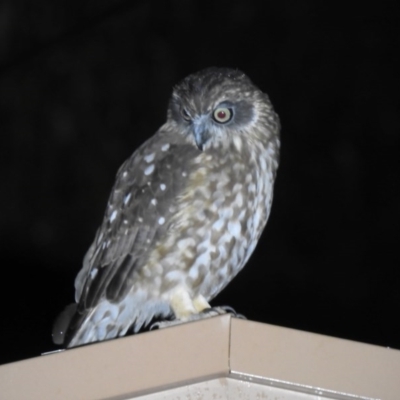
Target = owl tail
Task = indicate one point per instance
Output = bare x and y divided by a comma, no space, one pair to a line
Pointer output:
73,328
62,323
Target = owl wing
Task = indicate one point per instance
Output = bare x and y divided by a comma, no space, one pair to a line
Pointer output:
139,209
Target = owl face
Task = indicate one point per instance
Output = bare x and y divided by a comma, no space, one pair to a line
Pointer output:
210,109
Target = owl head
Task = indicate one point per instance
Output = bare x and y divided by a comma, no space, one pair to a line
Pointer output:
218,106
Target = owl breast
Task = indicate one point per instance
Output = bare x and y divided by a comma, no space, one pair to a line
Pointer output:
220,217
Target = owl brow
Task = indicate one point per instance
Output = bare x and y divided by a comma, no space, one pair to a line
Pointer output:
225,103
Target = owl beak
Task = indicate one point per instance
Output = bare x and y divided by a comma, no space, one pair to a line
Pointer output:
200,133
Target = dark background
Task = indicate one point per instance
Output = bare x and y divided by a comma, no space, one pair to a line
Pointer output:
83,83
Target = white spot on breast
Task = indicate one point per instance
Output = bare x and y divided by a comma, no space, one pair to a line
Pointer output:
184,173
222,251
250,224
257,218
124,174
149,169
263,164
113,215
234,228
271,151
239,199
218,224
165,147
242,214
223,271
225,213
153,201
194,273
162,186
225,238
203,259
161,220
127,198
149,158
237,187
174,276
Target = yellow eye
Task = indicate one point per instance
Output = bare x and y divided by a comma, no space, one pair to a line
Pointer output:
222,115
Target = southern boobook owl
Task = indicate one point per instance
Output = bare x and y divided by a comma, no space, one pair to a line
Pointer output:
185,213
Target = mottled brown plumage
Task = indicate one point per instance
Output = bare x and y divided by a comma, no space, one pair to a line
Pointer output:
185,213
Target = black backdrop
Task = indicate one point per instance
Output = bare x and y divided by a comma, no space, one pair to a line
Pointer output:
83,83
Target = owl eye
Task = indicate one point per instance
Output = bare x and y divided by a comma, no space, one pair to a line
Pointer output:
185,115
222,115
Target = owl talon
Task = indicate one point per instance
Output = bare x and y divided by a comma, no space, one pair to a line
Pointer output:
154,326
165,324
221,310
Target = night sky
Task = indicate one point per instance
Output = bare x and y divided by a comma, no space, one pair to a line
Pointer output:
84,83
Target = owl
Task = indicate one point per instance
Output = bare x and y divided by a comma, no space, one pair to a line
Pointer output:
185,213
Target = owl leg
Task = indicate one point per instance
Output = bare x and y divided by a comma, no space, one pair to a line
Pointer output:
182,304
200,303
203,308
185,309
